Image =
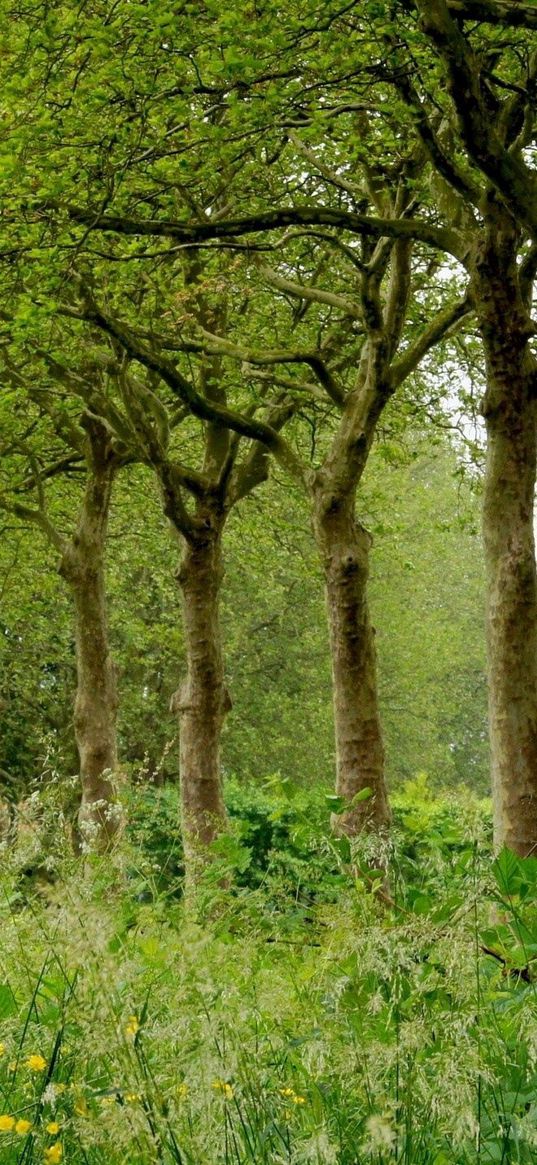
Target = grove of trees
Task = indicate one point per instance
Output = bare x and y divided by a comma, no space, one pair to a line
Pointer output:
275,268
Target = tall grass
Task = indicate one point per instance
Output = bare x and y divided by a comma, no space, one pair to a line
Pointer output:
283,1021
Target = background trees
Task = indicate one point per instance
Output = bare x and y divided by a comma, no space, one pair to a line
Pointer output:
427,611
248,231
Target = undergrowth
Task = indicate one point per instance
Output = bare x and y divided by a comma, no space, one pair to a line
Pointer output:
293,1010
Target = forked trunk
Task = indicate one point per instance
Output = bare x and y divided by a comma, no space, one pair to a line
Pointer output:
344,549
508,515
202,701
96,695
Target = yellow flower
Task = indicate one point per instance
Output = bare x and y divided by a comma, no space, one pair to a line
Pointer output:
132,1097
53,1128
22,1127
54,1155
182,1090
132,1027
292,1095
2,1049
7,1124
225,1089
36,1063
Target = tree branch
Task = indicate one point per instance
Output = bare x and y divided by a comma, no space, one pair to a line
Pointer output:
442,163
315,294
436,330
254,469
506,171
37,517
198,405
506,12
217,345
440,238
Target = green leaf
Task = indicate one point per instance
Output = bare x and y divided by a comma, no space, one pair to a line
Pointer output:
363,795
335,804
507,872
8,1003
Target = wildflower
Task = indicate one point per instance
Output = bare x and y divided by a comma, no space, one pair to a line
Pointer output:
182,1090
7,1124
53,1128
225,1089
80,1106
290,1094
22,1127
2,1049
54,1154
132,1097
133,1026
36,1063
51,1092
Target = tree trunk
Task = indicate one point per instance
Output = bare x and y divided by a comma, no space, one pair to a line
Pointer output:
344,550
202,701
509,411
96,696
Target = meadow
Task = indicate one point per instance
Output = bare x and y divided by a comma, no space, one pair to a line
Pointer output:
291,1008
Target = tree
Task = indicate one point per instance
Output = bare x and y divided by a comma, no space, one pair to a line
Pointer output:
483,158
82,566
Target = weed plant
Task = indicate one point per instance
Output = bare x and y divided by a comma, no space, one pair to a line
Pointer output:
307,1014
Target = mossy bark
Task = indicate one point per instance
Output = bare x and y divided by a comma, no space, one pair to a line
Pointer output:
508,530
96,700
344,547
202,701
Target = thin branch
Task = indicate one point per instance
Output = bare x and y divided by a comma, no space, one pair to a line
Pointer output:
307,387
334,179
436,330
314,294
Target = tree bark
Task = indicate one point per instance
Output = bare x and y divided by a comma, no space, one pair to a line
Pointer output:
508,515
96,698
202,701
344,546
